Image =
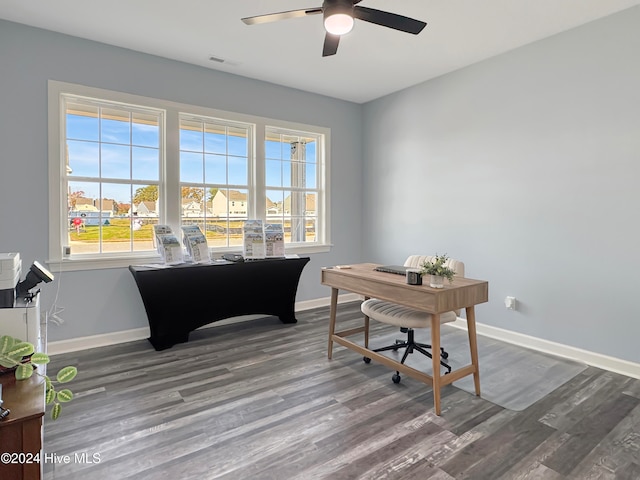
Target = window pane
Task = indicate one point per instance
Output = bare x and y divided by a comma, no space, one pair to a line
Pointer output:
311,151
311,229
83,158
215,169
273,173
238,171
238,206
194,208
215,139
273,148
116,126
101,219
83,218
143,215
310,180
115,160
190,136
275,199
311,200
145,130
228,213
145,163
115,221
190,167
286,174
82,122
237,143
298,233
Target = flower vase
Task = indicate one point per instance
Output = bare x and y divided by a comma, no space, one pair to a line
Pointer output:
436,281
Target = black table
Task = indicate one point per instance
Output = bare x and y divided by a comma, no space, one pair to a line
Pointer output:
181,298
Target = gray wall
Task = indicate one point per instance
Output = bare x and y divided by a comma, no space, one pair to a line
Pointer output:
107,300
524,166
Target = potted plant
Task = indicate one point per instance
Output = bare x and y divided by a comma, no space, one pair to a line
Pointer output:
22,358
438,271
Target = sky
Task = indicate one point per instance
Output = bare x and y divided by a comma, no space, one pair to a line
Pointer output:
129,151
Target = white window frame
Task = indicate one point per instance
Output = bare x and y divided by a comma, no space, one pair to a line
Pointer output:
169,188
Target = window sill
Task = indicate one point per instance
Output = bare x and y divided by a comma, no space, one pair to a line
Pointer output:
71,264
77,264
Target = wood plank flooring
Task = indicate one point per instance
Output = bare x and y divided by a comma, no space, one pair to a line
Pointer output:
259,399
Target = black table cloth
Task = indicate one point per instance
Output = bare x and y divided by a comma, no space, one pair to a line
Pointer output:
181,298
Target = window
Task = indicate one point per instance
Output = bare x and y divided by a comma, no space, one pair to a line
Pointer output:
112,174
292,183
120,164
214,175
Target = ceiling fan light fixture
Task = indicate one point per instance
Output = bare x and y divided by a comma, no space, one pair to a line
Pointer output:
338,24
338,16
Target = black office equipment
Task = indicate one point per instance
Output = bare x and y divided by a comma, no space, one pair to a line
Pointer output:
397,269
233,257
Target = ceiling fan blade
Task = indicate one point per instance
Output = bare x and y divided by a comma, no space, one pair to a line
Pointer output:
330,44
387,19
274,17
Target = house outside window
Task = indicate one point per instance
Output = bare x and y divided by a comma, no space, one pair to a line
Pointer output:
120,164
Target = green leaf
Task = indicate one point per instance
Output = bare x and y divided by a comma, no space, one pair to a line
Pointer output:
65,395
40,358
21,349
6,342
47,382
55,411
24,371
67,374
50,396
8,362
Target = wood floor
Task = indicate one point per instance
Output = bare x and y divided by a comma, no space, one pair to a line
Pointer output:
259,400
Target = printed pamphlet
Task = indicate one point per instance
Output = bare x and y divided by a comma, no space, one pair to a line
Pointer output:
196,243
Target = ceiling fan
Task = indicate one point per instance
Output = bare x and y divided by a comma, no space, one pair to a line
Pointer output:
339,17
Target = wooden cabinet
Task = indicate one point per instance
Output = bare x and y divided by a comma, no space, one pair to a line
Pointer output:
21,431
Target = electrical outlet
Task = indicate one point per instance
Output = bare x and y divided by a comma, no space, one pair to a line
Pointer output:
510,303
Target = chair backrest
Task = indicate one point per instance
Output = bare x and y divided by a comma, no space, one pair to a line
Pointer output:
416,261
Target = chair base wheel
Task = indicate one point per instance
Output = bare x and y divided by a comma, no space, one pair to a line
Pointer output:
444,355
366,359
396,378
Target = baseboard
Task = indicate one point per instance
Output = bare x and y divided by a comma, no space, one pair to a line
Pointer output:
605,362
612,364
106,339
94,341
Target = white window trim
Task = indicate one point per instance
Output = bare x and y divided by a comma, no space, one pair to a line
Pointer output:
170,169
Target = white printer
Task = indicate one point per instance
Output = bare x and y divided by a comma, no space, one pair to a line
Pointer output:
10,269
19,307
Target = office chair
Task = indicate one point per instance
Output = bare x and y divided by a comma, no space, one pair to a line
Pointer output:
408,319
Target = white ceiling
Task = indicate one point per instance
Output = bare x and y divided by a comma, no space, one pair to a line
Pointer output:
372,61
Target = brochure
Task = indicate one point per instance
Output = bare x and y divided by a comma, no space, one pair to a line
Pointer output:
253,244
274,240
160,230
170,248
196,243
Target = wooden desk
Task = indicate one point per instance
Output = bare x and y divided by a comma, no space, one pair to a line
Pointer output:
21,431
364,280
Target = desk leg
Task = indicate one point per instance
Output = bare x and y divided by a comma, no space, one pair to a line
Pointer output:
332,319
366,328
473,346
435,349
